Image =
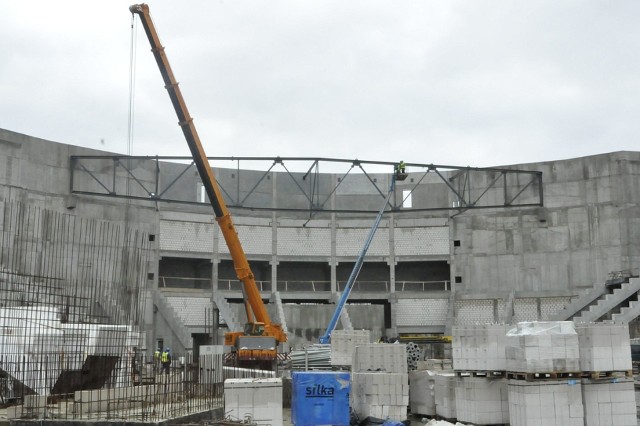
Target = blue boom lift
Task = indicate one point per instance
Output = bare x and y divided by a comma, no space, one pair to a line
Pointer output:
326,337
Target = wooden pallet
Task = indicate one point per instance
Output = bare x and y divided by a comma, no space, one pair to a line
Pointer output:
481,373
594,375
554,375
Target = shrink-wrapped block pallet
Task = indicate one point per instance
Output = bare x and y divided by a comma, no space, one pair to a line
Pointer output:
543,347
422,392
604,347
380,383
343,345
609,402
380,357
479,347
380,394
445,394
545,403
482,401
259,399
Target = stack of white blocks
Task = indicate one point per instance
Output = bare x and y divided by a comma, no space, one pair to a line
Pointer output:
543,347
445,394
609,403
482,401
344,342
380,382
259,399
604,347
479,347
422,392
380,395
380,357
546,403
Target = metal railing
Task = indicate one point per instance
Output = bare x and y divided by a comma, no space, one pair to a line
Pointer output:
308,286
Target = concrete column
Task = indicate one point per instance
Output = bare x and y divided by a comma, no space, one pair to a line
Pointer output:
392,254
274,235
215,262
274,252
152,287
334,257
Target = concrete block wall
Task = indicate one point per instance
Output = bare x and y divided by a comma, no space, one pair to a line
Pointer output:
548,403
344,342
482,401
609,403
422,395
445,394
604,347
479,347
545,346
259,399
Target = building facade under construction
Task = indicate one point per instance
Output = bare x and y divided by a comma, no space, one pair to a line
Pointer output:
106,258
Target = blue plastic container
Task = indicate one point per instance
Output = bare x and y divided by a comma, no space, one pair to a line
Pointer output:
320,398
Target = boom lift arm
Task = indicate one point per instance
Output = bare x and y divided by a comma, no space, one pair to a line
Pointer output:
326,337
256,310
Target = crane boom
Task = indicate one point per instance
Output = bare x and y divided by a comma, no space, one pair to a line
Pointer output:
252,295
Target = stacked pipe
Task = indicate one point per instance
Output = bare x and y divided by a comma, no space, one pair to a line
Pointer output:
414,354
314,357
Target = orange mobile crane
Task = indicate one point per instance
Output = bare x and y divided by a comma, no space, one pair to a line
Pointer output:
257,345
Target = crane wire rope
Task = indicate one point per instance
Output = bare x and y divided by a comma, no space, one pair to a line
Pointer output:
132,89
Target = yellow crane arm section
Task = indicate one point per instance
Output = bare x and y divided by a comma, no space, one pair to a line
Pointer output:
223,217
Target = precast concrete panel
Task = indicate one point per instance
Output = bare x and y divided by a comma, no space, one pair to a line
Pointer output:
186,236
417,312
254,239
349,242
474,311
304,242
423,241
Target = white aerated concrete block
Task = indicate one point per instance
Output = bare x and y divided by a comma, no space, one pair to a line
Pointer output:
344,342
609,403
604,347
479,347
422,396
380,394
482,401
259,399
545,403
389,357
544,346
445,394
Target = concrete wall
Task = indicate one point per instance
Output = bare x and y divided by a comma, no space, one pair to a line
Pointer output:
589,226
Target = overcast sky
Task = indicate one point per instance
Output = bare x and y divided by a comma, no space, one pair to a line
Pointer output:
476,83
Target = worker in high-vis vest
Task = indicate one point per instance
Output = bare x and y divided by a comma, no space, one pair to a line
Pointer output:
165,359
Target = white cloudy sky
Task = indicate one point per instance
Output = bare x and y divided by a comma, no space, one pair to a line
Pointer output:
476,83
